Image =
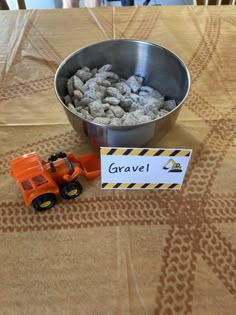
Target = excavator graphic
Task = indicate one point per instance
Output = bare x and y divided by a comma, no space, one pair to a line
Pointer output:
175,167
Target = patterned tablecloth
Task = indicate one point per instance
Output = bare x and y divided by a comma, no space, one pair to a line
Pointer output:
120,252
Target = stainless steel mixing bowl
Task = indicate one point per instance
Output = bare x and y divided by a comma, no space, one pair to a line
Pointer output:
162,70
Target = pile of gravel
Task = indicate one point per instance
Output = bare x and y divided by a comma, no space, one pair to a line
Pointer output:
99,95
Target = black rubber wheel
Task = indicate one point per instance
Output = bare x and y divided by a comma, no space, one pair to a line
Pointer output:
71,190
44,202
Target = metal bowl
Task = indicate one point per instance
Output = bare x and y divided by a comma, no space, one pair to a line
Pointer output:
162,70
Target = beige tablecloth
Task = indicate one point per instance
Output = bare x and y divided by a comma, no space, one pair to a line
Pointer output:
120,252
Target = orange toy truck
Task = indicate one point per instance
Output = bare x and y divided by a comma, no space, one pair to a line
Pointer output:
41,182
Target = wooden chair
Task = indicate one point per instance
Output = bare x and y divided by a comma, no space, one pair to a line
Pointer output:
4,5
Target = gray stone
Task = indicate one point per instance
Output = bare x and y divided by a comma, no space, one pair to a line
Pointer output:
105,68
128,119
106,83
72,108
115,122
85,114
169,105
123,87
135,83
94,71
125,103
106,106
78,94
102,120
153,105
112,100
163,112
96,109
114,92
83,75
78,83
70,87
67,99
109,113
85,101
117,111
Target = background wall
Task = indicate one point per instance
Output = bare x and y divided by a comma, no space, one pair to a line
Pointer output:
37,4
50,4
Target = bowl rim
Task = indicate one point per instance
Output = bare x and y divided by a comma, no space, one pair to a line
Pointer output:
122,40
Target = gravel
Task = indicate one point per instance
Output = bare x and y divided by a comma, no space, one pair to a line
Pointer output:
101,96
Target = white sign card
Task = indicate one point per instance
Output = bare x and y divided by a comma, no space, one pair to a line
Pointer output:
143,168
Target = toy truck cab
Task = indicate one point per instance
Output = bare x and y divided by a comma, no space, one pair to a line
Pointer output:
41,181
33,180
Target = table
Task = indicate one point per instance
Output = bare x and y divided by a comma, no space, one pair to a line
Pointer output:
120,252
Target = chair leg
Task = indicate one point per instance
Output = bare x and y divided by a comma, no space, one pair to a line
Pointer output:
3,5
21,4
